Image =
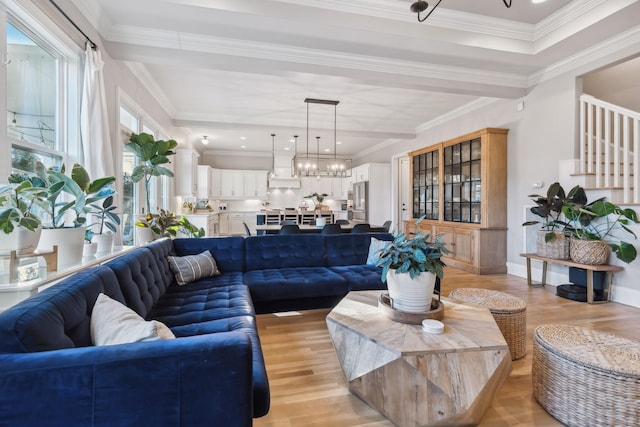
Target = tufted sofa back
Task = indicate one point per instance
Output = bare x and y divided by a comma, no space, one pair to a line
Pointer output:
285,251
57,317
227,251
351,248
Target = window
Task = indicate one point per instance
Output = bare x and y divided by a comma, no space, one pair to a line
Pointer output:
37,76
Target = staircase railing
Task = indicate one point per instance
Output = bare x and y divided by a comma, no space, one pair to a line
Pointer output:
609,146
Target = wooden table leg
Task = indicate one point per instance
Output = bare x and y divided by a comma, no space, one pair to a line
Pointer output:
544,273
529,271
590,286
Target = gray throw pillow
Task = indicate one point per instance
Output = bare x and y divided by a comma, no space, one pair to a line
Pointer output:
193,267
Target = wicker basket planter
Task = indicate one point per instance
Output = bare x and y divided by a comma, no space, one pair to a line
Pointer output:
556,248
592,252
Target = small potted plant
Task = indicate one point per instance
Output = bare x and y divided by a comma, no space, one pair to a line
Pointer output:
90,248
319,197
107,225
18,219
167,224
410,267
596,227
187,208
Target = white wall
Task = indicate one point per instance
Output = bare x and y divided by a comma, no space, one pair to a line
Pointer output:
618,84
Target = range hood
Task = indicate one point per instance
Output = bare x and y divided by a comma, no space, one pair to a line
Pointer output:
282,170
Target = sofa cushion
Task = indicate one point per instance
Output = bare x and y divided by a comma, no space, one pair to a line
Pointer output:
285,251
291,283
189,268
246,324
114,323
228,251
350,249
375,248
361,277
59,316
205,300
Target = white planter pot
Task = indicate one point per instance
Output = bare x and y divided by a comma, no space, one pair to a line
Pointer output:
144,235
104,242
70,242
20,240
89,249
412,295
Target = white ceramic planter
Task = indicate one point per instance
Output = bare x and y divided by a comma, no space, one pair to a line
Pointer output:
143,235
70,242
89,249
412,295
104,242
20,240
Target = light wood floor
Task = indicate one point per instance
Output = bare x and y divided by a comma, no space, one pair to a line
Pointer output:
309,389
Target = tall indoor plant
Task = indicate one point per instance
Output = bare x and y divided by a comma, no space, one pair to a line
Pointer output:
410,267
596,227
151,154
553,240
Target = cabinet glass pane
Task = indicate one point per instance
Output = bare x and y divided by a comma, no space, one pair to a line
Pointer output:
475,149
465,151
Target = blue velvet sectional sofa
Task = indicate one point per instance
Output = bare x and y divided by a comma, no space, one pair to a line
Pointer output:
212,374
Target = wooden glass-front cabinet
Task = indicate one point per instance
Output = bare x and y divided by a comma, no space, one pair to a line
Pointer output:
460,187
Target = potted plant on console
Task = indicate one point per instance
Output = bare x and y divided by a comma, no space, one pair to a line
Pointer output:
18,217
410,267
553,240
108,223
596,229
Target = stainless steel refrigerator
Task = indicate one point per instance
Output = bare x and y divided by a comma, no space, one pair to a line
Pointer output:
360,201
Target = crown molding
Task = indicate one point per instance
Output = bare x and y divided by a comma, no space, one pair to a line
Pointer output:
608,47
237,153
458,112
143,75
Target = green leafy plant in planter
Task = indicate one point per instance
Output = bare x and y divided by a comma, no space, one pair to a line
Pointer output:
600,220
410,267
167,224
18,203
151,154
105,214
549,208
319,197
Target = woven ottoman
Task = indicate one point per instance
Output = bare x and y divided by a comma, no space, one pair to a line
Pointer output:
584,377
508,311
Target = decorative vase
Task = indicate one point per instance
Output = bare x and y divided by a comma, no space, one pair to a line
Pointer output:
70,242
591,252
104,242
20,240
411,295
556,248
89,249
144,235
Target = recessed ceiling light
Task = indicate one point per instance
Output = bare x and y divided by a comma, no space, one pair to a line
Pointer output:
243,138
286,148
338,142
538,1
243,146
292,140
326,150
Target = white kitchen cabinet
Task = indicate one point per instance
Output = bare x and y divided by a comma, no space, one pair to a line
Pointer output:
235,224
205,186
231,184
360,173
337,188
215,183
186,172
223,224
255,184
251,220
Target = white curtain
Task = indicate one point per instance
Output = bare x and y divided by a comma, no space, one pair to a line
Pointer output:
97,147
94,124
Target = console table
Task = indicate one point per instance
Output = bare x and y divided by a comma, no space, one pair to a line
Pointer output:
608,269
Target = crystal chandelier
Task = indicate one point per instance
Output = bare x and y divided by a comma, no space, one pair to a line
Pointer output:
316,164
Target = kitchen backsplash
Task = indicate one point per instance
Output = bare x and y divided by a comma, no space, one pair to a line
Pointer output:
278,199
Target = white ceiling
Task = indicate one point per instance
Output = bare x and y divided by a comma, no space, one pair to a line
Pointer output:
230,68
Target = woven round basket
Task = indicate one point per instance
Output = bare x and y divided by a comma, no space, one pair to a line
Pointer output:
591,252
584,377
507,310
556,248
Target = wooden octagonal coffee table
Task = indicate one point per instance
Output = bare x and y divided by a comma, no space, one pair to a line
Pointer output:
415,378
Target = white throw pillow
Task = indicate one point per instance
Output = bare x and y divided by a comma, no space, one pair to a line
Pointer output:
114,323
193,267
374,250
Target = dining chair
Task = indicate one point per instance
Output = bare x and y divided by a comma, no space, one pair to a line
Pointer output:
289,229
361,228
332,229
246,229
386,226
342,221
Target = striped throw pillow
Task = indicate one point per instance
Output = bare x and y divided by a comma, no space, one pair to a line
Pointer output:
193,267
